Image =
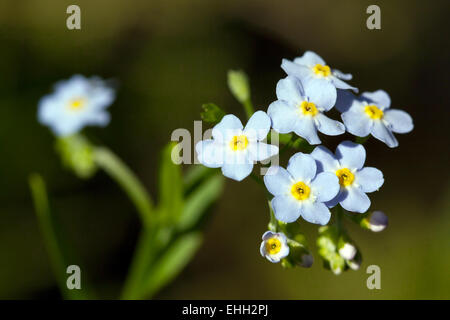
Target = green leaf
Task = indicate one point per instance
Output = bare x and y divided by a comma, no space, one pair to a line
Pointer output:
170,186
199,200
171,263
60,257
212,113
194,175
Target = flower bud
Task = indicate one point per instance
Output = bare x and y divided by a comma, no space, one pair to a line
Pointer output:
355,263
377,221
77,154
239,86
347,251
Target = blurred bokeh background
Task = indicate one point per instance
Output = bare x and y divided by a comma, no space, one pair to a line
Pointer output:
171,56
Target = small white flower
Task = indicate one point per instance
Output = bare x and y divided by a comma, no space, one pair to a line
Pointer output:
298,191
370,114
235,148
300,108
311,67
355,181
76,103
274,246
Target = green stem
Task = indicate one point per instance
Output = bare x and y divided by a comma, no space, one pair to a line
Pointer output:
141,260
112,165
248,106
56,250
118,171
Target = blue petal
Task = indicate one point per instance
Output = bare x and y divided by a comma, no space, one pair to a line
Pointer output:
310,59
399,121
299,71
302,167
267,235
357,122
351,155
283,116
320,91
229,126
262,249
290,89
379,97
369,179
329,126
325,159
342,194
382,133
210,153
344,76
237,171
344,100
339,84
316,212
286,208
258,126
325,186
356,201
305,128
278,181
260,151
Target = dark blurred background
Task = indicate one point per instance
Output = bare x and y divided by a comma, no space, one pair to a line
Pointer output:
171,56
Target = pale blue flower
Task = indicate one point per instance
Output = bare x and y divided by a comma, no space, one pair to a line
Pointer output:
299,191
355,180
311,67
370,114
235,148
76,103
300,109
274,246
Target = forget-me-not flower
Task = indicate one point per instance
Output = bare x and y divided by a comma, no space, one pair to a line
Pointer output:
300,109
311,67
354,179
299,191
235,148
76,103
370,114
274,246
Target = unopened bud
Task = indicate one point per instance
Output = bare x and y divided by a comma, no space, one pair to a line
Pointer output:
377,221
347,251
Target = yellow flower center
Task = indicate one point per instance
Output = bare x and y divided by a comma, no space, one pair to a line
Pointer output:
345,176
300,191
273,246
374,112
308,108
77,104
321,70
239,143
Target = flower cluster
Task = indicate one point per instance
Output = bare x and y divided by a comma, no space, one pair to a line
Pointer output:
318,185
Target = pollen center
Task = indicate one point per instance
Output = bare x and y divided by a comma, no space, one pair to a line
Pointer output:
345,176
273,246
77,104
321,70
308,108
239,143
300,191
374,112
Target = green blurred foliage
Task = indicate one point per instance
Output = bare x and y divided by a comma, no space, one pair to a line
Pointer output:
168,58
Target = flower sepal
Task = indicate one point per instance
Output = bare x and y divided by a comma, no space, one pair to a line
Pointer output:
77,155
